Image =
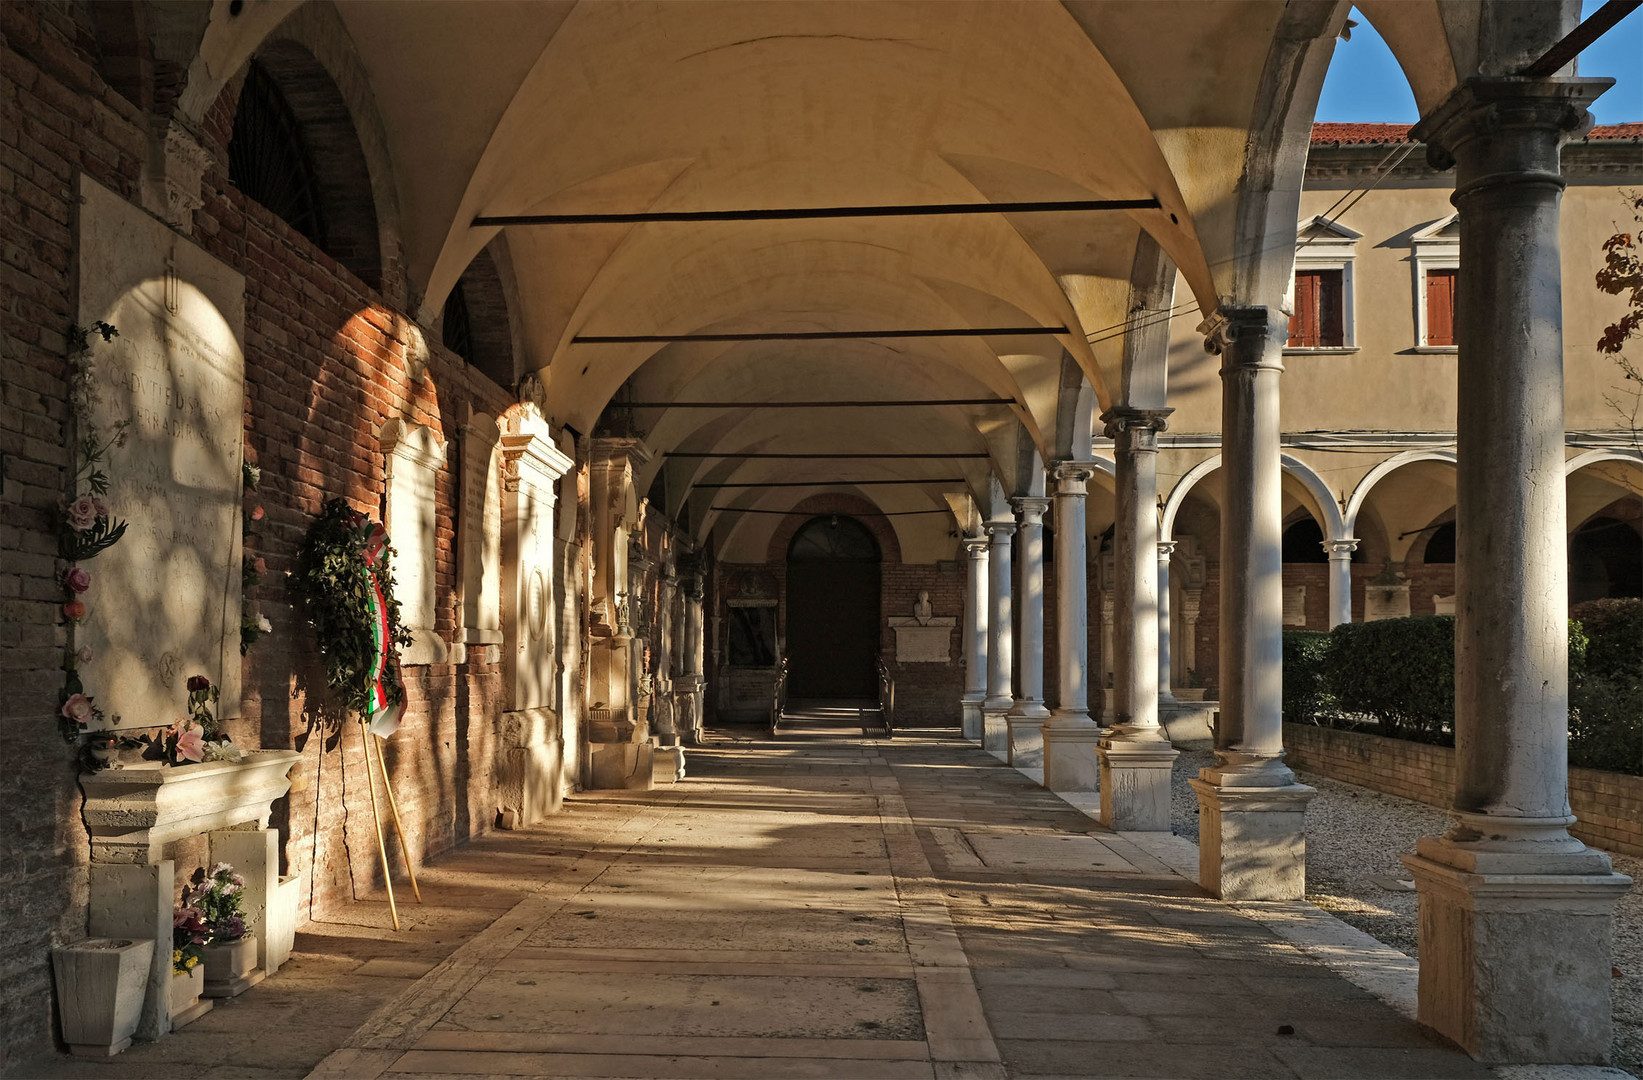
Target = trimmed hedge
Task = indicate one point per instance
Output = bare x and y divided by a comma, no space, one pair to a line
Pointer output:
1306,696
1606,687
1400,671
1399,676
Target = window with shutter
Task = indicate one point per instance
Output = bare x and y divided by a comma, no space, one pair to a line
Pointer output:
1440,307
1318,322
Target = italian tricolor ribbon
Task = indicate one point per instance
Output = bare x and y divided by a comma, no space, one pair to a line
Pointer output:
385,710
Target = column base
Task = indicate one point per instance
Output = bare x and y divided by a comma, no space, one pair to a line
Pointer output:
971,718
1252,840
1070,759
1135,783
995,726
1515,967
1025,748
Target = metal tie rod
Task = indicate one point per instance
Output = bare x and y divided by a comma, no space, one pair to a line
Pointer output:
1062,206
837,483
820,335
806,404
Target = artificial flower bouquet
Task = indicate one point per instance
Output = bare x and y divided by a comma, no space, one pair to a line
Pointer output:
218,895
197,736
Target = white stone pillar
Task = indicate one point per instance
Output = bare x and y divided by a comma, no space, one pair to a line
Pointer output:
1000,640
975,636
1252,813
1340,579
696,683
1136,758
1515,914
1071,734
1026,717
1166,549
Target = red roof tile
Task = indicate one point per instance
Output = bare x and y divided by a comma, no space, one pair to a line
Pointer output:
1350,134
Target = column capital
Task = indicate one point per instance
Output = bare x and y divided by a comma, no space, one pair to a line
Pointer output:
1239,335
1166,548
1071,476
1485,106
1031,508
977,546
996,529
1125,420
1342,548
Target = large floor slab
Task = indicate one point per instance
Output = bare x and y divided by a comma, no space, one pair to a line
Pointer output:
819,905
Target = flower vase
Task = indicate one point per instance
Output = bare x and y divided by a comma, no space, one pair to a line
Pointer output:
229,966
186,988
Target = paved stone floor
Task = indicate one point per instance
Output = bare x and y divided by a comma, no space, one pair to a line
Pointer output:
821,906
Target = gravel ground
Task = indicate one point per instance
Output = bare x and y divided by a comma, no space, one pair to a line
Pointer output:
1354,839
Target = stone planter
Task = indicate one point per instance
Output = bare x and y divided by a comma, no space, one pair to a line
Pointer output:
185,991
229,967
1193,694
100,987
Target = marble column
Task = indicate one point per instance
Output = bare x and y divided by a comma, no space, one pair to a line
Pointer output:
975,636
1026,717
1166,549
1136,758
1515,914
1000,640
1252,813
692,729
1340,579
1071,734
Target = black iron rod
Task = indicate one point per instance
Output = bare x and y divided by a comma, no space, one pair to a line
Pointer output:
824,457
808,213
805,404
812,513
819,335
835,483
1601,22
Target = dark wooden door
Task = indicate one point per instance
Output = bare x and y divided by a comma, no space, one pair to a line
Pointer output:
833,610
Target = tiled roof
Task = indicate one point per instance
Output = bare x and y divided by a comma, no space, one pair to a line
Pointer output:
1357,134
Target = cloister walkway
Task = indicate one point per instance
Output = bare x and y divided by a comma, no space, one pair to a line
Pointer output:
818,906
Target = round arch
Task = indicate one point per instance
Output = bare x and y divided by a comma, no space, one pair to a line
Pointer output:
1354,504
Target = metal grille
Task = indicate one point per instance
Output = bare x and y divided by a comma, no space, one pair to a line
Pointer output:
267,159
458,333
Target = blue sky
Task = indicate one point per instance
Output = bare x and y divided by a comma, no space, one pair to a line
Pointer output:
1366,84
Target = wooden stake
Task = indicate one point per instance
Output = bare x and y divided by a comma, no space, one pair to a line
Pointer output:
376,819
404,845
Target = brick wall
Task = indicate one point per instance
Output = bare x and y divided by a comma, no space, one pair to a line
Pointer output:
328,361
1609,805
57,119
927,695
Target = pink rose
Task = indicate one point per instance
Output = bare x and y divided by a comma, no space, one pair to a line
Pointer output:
78,708
100,506
259,565
82,513
190,740
76,579
256,514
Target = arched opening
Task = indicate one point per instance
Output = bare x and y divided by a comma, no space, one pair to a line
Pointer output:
475,324
1304,542
295,151
833,609
1440,545
1605,560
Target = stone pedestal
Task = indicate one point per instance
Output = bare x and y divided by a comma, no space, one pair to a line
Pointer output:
1071,761
134,812
1026,739
183,996
1252,840
1135,784
970,718
1515,966
995,728
100,988
231,967
528,788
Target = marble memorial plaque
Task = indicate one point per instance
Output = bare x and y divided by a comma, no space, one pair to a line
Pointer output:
480,539
923,643
165,601
413,457
532,468
1385,602
1294,605
1443,605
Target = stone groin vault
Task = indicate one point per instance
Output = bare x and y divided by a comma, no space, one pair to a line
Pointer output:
675,341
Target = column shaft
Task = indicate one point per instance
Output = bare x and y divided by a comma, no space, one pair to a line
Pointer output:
1507,886
1166,548
1070,735
1000,638
977,601
1027,715
1340,580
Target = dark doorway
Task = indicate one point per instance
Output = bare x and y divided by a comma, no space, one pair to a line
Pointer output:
833,610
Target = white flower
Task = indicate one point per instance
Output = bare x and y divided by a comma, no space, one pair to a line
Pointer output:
223,751
264,625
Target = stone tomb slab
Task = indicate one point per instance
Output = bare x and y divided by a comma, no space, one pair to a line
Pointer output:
698,921
1027,852
594,1003
164,602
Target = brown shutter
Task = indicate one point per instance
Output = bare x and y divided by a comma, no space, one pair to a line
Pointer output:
1303,325
1440,307
1331,309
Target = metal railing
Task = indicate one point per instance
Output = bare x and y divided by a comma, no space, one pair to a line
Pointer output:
887,699
778,696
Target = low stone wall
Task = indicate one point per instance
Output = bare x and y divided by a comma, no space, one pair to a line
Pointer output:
1609,805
